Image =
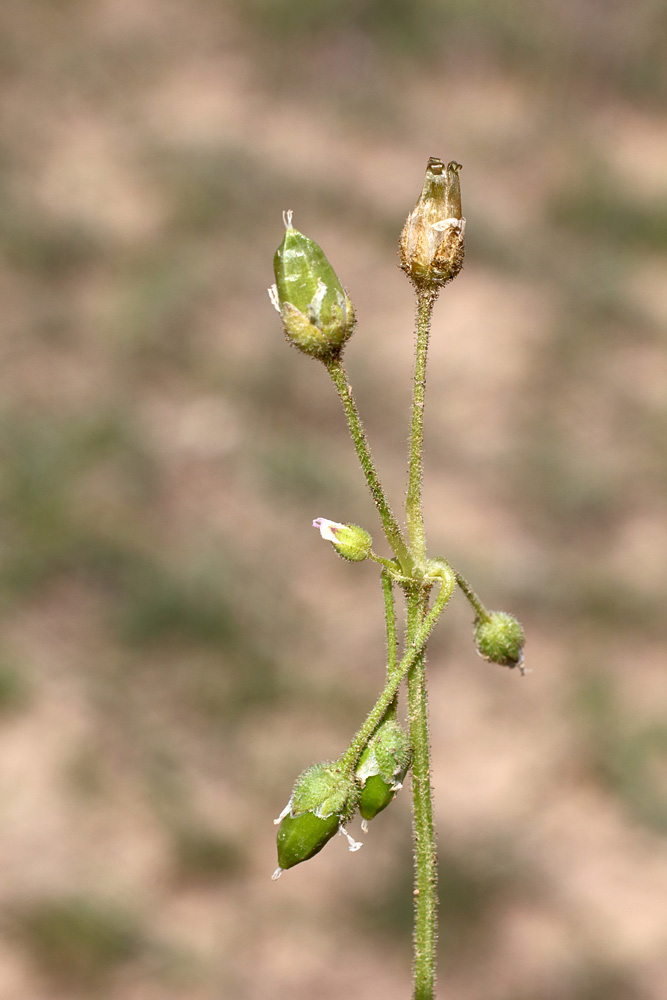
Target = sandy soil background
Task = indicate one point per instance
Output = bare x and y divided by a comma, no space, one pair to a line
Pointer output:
177,644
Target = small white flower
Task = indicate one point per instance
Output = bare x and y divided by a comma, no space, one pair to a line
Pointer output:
327,529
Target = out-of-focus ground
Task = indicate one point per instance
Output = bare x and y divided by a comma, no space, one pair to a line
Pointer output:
178,643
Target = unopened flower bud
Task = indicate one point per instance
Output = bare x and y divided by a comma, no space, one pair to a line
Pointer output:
382,768
317,314
499,638
349,540
324,797
431,246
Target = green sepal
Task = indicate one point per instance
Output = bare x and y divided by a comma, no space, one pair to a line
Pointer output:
349,540
353,543
324,789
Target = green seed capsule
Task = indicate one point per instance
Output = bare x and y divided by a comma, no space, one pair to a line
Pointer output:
499,638
302,837
324,797
382,768
317,314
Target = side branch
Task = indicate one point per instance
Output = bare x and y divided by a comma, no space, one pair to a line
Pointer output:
415,646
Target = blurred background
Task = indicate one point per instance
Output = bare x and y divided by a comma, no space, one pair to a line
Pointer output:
177,643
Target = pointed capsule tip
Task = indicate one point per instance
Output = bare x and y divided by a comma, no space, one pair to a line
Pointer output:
287,218
435,165
277,873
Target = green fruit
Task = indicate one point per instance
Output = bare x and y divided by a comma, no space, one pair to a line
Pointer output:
324,797
499,638
301,837
375,796
382,768
317,314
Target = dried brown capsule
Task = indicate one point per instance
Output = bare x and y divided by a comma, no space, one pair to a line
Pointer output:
431,246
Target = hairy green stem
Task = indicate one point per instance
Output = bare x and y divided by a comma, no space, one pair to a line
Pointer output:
390,621
413,651
425,878
390,625
480,610
388,564
389,522
426,872
413,507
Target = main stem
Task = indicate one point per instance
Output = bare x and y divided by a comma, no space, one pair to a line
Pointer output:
426,872
413,507
390,624
389,522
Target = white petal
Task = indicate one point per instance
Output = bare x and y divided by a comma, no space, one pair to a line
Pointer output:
354,845
283,813
273,295
327,528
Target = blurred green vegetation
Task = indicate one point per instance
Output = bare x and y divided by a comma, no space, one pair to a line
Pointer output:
474,884
568,40
15,689
49,249
47,465
624,755
78,942
205,856
587,982
600,210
